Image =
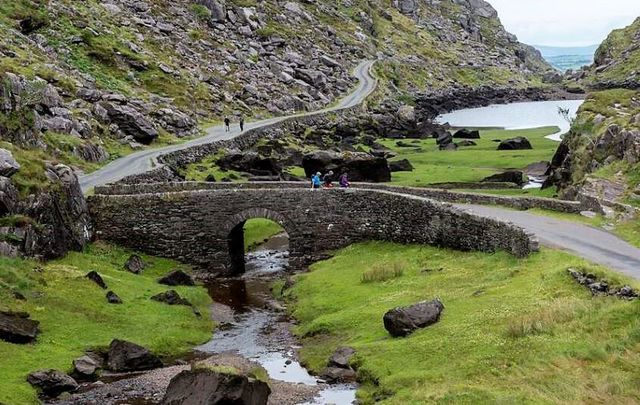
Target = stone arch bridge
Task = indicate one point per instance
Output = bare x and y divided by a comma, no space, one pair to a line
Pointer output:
201,223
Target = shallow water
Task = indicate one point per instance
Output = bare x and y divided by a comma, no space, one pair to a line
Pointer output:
524,115
249,298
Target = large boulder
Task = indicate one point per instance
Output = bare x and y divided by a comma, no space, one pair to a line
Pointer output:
131,122
403,321
467,134
8,165
359,165
250,162
177,277
519,143
511,176
127,356
401,166
208,387
18,328
52,382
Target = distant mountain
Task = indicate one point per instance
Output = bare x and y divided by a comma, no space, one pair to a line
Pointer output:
565,58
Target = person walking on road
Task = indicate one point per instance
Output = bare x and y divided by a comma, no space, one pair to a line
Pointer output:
344,180
227,123
242,123
315,181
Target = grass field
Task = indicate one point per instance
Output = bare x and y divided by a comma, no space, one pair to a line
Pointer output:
473,163
513,331
75,316
258,231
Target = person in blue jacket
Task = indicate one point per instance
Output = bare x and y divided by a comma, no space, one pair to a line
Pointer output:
316,181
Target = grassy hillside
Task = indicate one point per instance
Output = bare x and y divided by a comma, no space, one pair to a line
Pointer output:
513,331
74,314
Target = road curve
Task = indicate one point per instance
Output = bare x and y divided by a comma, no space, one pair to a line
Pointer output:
143,161
593,244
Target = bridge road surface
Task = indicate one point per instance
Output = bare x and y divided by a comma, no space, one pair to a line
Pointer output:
143,161
590,243
593,244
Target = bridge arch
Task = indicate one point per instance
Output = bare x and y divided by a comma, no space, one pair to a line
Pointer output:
234,228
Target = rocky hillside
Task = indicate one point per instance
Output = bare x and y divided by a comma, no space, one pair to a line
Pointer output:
601,156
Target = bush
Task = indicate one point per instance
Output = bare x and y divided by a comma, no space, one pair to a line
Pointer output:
383,272
201,12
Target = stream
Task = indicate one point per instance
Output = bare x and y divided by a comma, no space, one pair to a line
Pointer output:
247,313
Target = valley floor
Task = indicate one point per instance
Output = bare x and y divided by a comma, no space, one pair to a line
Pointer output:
515,331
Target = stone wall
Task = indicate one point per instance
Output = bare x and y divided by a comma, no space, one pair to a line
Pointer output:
195,226
520,203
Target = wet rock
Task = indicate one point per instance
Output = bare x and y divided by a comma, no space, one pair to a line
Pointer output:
112,298
8,165
85,368
360,166
52,382
336,375
402,321
519,143
171,297
467,134
401,166
18,328
127,356
204,386
177,277
97,278
511,176
342,357
135,264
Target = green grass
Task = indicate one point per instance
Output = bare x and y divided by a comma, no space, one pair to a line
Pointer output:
513,330
258,231
75,316
470,164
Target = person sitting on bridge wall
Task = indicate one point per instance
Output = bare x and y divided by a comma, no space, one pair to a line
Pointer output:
315,181
344,180
327,179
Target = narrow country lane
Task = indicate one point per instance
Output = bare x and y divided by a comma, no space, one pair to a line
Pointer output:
596,245
143,161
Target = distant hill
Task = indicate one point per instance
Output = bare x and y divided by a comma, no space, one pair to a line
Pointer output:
565,58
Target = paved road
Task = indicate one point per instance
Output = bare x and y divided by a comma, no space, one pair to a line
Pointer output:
585,241
143,161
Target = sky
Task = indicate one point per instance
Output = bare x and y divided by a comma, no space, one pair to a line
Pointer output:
565,22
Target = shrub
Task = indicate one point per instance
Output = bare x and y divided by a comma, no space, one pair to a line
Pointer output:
201,12
383,272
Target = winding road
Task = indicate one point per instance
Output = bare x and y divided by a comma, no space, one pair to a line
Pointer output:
143,161
593,244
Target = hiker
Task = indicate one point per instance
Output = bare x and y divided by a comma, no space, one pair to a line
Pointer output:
315,181
227,122
327,179
344,180
241,123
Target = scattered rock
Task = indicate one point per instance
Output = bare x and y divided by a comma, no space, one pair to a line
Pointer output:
52,382
177,277
135,264
342,357
18,328
511,176
96,278
402,321
401,166
467,134
336,375
602,287
127,356
589,214
205,386
171,297
112,298
519,143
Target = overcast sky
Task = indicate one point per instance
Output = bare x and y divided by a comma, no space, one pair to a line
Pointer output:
565,22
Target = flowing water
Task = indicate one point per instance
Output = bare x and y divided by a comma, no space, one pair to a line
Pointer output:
534,114
250,315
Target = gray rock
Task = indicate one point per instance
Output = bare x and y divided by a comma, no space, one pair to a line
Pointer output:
8,165
342,357
85,368
135,264
337,375
205,386
171,297
8,196
403,321
217,8
177,277
18,328
511,176
127,356
52,382
131,122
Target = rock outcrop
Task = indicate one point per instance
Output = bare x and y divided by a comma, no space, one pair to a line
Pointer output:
18,328
359,166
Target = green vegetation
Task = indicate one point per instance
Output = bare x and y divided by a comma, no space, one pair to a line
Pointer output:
259,230
75,316
513,330
473,163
